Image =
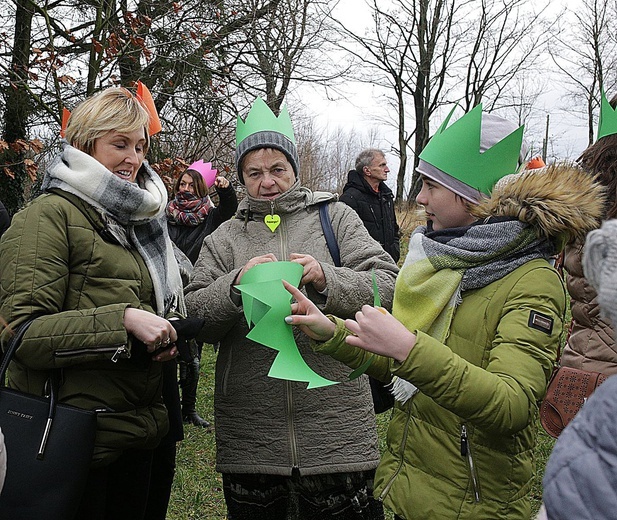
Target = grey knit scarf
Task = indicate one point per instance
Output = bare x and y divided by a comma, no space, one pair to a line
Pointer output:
484,251
138,208
440,265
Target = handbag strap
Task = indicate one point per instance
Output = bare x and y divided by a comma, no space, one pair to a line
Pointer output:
13,344
328,231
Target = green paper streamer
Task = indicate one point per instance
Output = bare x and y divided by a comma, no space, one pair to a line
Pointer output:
376,298
266,304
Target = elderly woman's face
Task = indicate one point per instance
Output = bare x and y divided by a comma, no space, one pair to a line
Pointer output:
267,173
122,153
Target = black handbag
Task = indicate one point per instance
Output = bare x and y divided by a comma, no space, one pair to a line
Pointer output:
383,399
49,449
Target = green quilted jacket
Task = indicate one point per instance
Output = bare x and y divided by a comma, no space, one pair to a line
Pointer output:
500,357
58,266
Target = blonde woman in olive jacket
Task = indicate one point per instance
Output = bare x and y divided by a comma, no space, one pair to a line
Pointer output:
90,262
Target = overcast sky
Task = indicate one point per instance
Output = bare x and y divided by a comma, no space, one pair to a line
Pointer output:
358,111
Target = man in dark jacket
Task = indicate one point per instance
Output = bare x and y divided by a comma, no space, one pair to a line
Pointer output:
367,193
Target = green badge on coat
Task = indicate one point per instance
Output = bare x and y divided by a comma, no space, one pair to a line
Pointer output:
272,221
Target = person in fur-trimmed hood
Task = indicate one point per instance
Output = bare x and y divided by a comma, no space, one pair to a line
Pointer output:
477,315
592,341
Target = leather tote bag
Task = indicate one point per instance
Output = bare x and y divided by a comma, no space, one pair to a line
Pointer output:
49,448
567,391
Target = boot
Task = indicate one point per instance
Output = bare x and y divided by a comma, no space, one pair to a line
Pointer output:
194,418
188,386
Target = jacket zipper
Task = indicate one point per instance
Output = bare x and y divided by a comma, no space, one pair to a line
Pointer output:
117,351
293,444
466,452
374,217
401,456
288,388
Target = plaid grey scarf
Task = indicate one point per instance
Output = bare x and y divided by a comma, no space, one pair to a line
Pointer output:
138,207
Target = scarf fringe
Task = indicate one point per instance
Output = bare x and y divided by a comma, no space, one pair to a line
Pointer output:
401,389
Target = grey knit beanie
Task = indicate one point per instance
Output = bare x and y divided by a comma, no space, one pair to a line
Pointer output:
267,139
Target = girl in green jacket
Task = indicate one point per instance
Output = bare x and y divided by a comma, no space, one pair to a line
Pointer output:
477,316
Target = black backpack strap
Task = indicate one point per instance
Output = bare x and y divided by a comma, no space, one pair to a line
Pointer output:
328,231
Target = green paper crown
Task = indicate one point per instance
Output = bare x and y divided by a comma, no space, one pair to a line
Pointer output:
455,150
608,119
261,119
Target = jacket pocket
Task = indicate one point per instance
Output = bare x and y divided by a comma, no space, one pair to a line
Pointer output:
114,352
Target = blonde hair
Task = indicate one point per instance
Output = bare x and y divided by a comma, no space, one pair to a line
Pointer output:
114,108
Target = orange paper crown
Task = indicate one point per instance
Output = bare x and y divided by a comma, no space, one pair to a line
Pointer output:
535,163
144,97
65,120
143,94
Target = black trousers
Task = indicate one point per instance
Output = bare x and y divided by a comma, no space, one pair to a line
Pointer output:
161,480
118,491
336,496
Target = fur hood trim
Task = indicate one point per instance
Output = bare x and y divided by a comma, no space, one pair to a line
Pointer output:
562,202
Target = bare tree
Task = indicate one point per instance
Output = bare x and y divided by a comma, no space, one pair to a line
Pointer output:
432,52
193,56
586,55
502,41
409,49
15,147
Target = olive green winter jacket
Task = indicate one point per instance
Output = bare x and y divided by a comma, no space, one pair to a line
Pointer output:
60,266
463,446
501,364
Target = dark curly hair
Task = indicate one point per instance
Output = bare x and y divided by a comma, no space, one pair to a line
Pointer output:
600,159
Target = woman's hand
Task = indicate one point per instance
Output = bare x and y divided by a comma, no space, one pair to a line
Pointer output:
308,317
153,331
377,331
313,272
221,182
252,263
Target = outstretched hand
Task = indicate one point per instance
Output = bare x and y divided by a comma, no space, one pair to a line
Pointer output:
376,330
306,315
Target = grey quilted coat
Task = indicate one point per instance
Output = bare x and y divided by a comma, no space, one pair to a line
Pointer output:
266,425
580,480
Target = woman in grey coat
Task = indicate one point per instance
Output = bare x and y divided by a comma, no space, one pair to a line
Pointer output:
286,451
